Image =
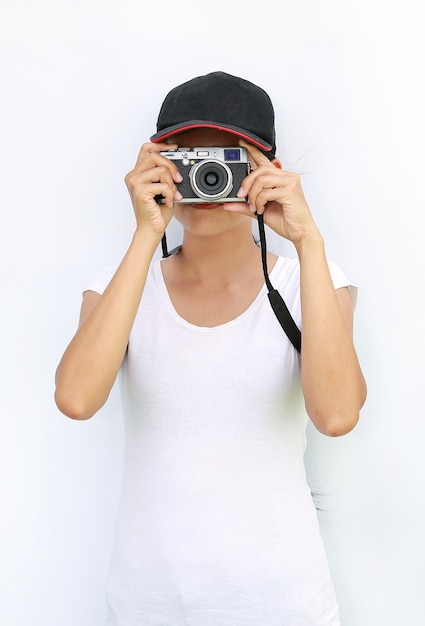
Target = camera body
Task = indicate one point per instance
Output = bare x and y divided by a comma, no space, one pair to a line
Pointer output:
210,174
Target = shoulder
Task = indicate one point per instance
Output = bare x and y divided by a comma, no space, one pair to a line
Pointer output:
288,269
286,273
285,278
101,279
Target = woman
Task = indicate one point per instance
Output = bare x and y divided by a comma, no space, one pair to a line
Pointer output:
217,525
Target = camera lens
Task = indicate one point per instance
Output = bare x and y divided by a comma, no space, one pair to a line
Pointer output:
211,179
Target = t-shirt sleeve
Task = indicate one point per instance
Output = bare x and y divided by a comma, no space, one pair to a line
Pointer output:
101,280
340,280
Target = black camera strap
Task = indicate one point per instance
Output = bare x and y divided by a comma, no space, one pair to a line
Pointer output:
278,305
277,302
164,246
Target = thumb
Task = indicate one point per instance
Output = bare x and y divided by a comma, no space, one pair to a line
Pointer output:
244,208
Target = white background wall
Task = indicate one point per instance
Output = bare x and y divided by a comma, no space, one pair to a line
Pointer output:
81,83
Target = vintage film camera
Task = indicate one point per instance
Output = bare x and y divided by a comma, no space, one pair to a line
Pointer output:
210,174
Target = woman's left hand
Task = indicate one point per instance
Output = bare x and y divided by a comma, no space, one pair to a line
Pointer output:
278,195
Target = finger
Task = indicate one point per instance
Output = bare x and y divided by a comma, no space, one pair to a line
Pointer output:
138,182
149,148
256,155
265,196
152,175
260,177
146,193
268,179
153,160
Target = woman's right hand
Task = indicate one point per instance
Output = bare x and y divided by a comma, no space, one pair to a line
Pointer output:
91,362
153,175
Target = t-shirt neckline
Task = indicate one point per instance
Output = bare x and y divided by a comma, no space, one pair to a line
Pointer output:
159,277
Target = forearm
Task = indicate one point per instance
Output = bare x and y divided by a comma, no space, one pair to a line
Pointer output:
332,380
91,362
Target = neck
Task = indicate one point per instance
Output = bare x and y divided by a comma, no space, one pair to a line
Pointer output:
220,257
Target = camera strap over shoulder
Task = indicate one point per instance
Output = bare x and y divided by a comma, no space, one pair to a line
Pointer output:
277,302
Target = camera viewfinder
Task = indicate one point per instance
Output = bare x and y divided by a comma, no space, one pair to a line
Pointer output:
232,154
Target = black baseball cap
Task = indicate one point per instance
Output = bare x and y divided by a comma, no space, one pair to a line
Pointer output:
221,101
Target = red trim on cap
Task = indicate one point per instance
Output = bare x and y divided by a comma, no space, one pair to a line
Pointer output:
216,127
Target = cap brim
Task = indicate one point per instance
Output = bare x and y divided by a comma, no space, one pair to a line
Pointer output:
165,133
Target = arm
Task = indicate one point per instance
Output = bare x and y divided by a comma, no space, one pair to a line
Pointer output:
90,364
333,384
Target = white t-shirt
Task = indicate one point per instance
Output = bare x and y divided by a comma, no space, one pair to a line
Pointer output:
217,526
